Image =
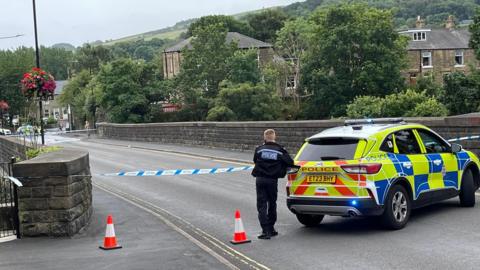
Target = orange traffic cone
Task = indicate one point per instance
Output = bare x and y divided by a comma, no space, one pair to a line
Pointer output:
239,237
110,240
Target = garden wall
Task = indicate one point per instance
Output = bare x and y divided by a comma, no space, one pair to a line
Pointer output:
246,135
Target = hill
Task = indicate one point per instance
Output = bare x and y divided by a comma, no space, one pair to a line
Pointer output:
434,11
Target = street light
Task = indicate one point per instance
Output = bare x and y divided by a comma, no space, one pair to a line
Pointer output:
37,60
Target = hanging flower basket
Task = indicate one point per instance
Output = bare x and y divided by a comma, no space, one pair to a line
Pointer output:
38,84
4,106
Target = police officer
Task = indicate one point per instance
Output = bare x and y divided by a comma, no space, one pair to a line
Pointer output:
271,162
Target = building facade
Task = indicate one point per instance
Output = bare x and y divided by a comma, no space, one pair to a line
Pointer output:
438,52
172,57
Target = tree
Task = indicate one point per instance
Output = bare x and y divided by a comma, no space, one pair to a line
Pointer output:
205,66
265,24
245,102
121,88
292,43
13,64
462,92
91,57
75,94
228,22
475,31
56,61
354,51
243,67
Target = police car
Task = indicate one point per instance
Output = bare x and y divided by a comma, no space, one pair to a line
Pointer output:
378,167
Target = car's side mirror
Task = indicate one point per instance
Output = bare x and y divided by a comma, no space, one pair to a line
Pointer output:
456,148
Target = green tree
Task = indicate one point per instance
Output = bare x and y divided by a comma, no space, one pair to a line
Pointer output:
205,66
246,102
243,67
56,61
354,51
13,64
91,57
462,92
265,24
475,33
75,94
122,87
228,22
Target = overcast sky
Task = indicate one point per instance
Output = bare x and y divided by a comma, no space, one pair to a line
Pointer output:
80,21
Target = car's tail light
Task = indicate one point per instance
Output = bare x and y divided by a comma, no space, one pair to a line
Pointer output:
362,168
292,174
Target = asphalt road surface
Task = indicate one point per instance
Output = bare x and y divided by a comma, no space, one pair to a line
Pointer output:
201,208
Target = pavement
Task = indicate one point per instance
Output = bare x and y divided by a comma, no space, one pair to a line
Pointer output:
196,213
147,244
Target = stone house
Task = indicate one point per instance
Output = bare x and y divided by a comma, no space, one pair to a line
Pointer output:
437,52
172,57
52,108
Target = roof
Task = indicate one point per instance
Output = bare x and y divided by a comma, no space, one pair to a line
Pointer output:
438,39
60,86
351,132
244,42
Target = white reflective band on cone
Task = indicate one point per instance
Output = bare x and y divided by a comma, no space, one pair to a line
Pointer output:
110,232
239,225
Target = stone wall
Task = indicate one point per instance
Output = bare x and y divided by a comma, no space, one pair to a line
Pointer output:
246,135
56,199
11,147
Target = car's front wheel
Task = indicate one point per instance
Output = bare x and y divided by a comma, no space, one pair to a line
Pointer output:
309,220
397,208
467,190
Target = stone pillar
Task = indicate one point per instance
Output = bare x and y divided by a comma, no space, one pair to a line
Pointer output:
56,199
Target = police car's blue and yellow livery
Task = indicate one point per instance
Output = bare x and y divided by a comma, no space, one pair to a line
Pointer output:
378,167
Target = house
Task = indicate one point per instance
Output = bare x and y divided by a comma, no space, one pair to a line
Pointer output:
437,52
53,109
172,57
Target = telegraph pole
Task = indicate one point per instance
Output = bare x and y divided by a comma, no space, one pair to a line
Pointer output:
37,59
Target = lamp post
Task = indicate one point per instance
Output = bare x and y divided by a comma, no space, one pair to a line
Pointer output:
37,61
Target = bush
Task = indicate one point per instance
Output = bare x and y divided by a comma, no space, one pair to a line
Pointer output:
35,152
246,102
406,103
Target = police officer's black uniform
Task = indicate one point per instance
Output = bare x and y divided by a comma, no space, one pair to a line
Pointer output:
271,162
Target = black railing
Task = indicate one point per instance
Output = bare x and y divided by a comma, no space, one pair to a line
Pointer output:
9,222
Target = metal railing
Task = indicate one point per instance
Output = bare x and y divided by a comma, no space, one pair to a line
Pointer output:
9,221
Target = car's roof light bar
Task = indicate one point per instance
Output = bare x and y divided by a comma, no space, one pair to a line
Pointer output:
356,122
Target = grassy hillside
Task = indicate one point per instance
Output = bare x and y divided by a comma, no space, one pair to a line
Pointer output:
434,11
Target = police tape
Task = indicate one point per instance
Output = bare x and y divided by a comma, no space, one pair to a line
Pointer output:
467,138
181,172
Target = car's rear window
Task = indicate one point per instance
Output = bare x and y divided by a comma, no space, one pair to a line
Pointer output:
329,149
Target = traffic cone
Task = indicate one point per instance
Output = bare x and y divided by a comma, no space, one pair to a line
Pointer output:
110,240
239,237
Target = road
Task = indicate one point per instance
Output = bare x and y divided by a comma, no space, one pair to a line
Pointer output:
201,208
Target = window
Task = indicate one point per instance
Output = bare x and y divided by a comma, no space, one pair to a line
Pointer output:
291,82
426,59
433,144
407,143
419,36
387,145
329,149
47,112
459,58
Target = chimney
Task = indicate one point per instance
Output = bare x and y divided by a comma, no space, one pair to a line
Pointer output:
450,24
420,23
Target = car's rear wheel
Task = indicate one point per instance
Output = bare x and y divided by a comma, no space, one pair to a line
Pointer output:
397,208
467,190
309,220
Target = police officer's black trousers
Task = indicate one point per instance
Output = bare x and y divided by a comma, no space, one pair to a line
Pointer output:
267,190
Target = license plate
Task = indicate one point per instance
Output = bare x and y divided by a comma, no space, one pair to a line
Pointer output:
326,179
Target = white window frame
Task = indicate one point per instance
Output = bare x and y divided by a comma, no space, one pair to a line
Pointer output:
460,53
291,82
419,36
427,54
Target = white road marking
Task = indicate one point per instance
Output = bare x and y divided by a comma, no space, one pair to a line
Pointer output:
211,239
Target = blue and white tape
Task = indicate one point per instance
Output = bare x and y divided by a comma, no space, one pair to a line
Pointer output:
182,172
466,138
